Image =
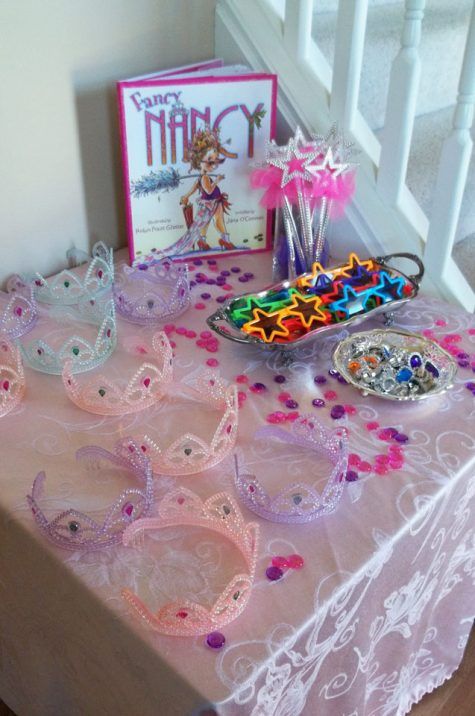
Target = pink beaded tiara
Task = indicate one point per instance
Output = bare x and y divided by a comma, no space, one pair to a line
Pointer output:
151,294
299,502
18,308
68,287
221,514
103,396
75,530
12,377
189,454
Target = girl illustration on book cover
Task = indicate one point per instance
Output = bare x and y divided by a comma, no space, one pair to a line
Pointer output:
204,155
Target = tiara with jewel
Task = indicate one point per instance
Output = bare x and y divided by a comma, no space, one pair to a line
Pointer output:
68,287
150,294
81,354
75,530
189,454
221,514
298,502
12,377
103,396
18,308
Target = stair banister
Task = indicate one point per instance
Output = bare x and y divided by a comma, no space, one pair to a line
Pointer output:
348,60
401,106
298,27
453,167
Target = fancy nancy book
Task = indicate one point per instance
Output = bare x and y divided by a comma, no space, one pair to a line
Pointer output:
190,138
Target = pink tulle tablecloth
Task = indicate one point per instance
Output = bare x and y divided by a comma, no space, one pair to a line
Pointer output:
379,614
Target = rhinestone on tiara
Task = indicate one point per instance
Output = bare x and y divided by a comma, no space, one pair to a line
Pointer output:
69,287
151,294
221,514
189,454
82,354
103,396
298,502
12,377
75,530
18,308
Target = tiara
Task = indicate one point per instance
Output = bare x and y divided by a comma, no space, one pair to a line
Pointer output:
150,294
189,454
75,530
221,514
298,502
82,354
104,396
18,308
66,287
12,377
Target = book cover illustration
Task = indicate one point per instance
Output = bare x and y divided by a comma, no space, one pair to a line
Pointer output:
189,143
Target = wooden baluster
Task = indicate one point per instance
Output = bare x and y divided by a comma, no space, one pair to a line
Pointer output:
401,106
298,27
349,46
453,167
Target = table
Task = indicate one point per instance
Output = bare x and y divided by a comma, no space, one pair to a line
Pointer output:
378,616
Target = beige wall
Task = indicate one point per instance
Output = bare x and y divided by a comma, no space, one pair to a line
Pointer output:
59,153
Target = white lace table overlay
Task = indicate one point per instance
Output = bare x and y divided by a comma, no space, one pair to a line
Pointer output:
379,614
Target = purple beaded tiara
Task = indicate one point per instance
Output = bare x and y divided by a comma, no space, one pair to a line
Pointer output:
18,308
75,530
151,294
298,502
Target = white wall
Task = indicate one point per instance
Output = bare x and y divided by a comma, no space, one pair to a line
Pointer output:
60,168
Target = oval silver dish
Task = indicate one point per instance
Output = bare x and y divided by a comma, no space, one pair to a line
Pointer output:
221,322
391,352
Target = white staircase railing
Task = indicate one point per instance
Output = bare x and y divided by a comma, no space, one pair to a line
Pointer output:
277,35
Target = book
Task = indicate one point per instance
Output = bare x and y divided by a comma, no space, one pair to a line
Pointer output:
189,138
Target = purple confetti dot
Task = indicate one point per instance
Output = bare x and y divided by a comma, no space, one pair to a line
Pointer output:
235,269
211,281
351,476
280,379
337,412
225,273
205,296
221,299
463,363
243,279
215,640
291,404
250,275
198,262
212,262
319,379
192,283
341,379
333,373
463,355
318,403
401,438
259,387
200,279
274,573
470,386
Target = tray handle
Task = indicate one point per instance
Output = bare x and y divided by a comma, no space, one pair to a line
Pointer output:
231,332
415,278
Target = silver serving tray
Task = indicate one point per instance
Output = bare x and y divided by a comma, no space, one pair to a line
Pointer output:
353,347
220,321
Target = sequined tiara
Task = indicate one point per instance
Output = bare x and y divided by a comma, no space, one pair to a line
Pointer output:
150,294
69,287
82,354
75,530
103,396
221,514
189,454
299,502
12,377
18,308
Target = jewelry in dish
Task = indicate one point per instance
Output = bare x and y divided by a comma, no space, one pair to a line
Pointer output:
69,287
91,316
299,502
221,514
75,530
12,377
101,395
189,454
150,294
18,308
394,364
